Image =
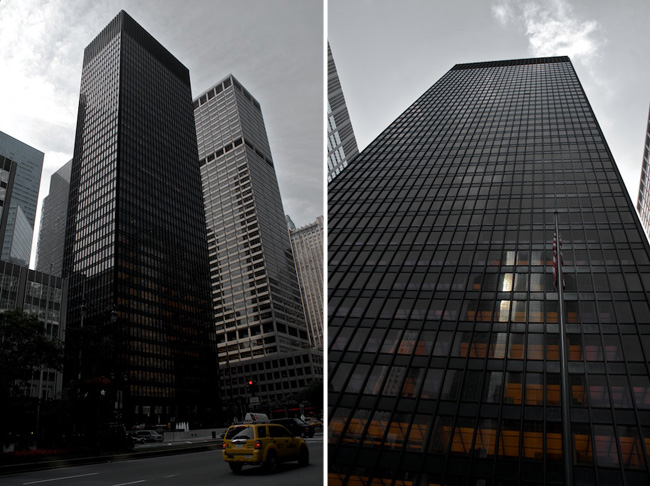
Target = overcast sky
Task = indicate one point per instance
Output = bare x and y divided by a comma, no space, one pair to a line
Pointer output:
273,47
388,53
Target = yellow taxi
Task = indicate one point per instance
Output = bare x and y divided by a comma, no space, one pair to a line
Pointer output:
263,444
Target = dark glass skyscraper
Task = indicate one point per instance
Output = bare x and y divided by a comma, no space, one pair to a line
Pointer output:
136,248
53,221
447,330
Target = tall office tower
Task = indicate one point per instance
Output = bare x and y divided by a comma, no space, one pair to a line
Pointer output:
49,257
307,247
451,344
17,245
255,292
341,144
643,201
7,177
135,249
290,224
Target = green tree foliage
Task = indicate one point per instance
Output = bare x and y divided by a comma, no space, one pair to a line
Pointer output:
24,348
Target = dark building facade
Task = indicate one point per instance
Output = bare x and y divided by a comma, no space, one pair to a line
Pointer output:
21,211
136,250
54,216
341,142
450,345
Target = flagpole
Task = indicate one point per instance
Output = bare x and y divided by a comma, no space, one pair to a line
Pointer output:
564,371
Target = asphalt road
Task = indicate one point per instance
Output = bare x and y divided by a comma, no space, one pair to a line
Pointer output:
192,469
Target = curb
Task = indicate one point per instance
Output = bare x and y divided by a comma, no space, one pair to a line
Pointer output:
7,470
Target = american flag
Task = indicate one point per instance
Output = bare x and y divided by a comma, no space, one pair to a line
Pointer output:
557,259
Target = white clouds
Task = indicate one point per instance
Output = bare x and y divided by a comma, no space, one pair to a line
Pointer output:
552,28
41,51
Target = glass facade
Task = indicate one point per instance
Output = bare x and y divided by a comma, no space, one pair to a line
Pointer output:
135,249
7,177
53,220
19,232
341,144
445,324
307,248
255,294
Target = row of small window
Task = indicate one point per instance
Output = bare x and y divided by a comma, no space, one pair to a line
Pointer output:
425,255
510,388
504,310
497,345
263,388
429,279
490,438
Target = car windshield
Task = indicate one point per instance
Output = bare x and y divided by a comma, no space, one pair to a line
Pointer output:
230,433
245,433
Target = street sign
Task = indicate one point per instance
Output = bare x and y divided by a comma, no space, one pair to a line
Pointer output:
254,400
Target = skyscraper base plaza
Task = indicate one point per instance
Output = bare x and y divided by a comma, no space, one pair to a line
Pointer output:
455,358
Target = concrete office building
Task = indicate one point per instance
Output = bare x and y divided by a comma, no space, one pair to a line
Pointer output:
455,358
19,232
643,201
45,297
135,250
341,143
307,247
49,256
255,295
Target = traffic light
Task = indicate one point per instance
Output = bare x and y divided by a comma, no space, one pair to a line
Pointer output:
252,385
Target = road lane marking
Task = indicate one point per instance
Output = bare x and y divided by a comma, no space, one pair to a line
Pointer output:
134,482
59,479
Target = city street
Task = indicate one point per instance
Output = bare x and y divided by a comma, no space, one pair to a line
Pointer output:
192,469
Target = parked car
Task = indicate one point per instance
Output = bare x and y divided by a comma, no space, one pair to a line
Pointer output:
296,426
263,444
314,422
141,436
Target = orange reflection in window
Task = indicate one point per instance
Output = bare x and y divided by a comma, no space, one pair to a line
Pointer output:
375,432
516,351
631,453
582,449
575,352
578,394
552,352
486,440
396,434
354,430
553,394
533,445
512,393
417,436
509,443
334,479
534,394
462,440
553,446
335,428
